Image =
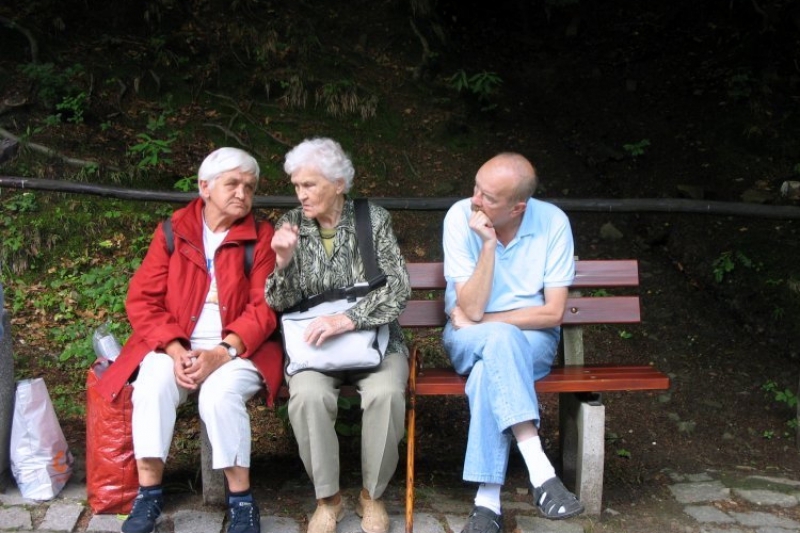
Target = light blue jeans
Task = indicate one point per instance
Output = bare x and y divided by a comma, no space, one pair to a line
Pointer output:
502,361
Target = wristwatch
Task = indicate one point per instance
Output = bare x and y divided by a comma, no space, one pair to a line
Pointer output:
232,351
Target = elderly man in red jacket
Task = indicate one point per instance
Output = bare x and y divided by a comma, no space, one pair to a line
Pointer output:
200,323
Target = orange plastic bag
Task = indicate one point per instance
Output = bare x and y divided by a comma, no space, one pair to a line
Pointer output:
111,477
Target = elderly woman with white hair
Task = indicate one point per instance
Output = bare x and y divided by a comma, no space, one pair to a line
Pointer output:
200,324
316,250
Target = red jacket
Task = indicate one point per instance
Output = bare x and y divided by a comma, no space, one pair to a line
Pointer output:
167,293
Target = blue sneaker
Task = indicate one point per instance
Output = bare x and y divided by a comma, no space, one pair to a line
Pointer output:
244,517
146,512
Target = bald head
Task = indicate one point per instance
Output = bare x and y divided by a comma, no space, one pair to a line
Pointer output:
516,171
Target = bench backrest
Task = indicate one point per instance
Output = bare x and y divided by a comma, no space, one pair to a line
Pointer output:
580,309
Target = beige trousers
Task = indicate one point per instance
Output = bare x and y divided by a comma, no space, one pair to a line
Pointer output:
312,412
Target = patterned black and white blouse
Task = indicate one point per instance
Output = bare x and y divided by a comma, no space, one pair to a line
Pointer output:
311,271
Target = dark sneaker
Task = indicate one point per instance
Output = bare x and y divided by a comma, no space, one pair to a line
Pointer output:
244,518
146,512
555,501
483,520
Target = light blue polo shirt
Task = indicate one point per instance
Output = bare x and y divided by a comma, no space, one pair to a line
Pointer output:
540,255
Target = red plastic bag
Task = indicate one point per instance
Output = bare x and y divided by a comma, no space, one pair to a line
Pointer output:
111,476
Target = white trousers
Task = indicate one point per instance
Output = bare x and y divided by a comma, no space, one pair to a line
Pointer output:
221,402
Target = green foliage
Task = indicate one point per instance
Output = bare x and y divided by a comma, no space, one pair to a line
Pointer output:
186,184
79,298
163,55
87,284
625,334
65,403
75,106
17,234
483,85
152,151
785,396
282,412
740,84
348,421
50,120
726,263
636,149
723,265
622,453
22,203
51,84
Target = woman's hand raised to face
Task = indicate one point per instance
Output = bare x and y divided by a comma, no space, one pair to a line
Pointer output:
284,243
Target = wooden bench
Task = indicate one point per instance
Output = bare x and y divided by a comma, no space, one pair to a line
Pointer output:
581,412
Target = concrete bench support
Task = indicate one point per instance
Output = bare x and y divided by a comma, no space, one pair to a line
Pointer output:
213,480
582,421
7,387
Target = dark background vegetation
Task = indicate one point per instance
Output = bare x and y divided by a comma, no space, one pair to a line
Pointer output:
610,99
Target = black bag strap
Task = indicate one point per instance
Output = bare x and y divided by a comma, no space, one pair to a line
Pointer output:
166,227
366,247
364,236
249,246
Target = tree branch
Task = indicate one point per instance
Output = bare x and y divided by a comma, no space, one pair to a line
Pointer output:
28,35
52,153
240,112
426,51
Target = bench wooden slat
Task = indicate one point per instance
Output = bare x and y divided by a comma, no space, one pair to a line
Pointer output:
591,273
613,273
426,276
580,310
589,378
604,310
423,314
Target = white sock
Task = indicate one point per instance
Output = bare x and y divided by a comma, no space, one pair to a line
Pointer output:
489,496
539,467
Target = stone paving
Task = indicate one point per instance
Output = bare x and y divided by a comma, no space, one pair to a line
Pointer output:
711,503
699,492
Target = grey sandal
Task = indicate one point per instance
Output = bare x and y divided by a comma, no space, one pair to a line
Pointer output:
555,502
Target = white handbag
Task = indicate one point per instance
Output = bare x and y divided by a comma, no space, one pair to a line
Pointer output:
359,349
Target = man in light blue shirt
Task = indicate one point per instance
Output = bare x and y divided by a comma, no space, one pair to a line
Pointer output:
509,262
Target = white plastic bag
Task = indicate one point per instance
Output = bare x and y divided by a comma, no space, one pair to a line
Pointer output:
40,458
